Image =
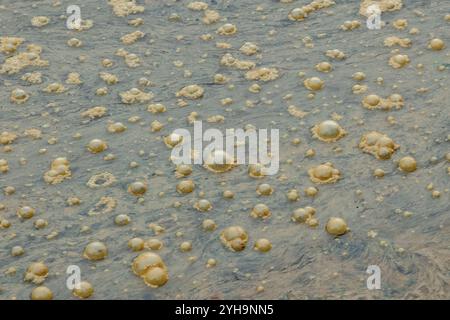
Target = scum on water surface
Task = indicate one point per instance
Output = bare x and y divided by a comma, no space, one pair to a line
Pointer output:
86,118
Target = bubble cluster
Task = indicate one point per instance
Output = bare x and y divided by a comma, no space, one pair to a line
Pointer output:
249,48
407,164
36,272
138,188
104,205
203,205
59,171
185,186
263,245
173,139
134,95
324,67
264,189
17,251
109,78
95,251
183,170
402,42
310,69
373,102
186,246
41,293
7,137
132,61
227,29
210,17
25,212
293,195
94,112
156,108
378,144
350,25
313,84
104,179
383,5
219,161
305,215
97,146
132,37
19,96
209,225
230,61
74,78
436,44
32,77
299,14
151,268
197,5
84,290
261,211
328,131
122,220
263,74
336,226
399,61
9,45
335,54
234,238
14,64
400,24
136,244
154,244
116,127
324,173
192,91
123,8
55,87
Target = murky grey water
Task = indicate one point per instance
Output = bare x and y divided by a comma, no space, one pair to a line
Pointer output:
413,252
